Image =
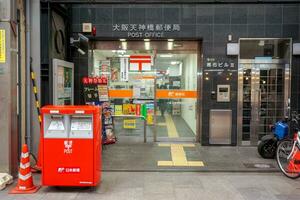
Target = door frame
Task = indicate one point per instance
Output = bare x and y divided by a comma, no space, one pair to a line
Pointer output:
287,89
198,100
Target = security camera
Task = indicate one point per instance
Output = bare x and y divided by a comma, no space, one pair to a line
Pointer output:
83,37
81,51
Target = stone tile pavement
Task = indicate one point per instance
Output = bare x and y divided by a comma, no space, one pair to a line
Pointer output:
144,157
174,185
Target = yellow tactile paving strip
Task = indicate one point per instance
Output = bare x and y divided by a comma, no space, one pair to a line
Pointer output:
172,131
161,124
179,158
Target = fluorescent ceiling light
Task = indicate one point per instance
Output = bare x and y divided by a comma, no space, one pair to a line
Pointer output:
174,63
166,55
124,45
147,45
170,45
261,43
126,56
122,40
119,51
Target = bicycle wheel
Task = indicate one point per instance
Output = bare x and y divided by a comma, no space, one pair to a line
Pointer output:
283,150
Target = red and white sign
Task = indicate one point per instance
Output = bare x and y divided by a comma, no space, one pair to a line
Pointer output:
62,170
94,80
140,63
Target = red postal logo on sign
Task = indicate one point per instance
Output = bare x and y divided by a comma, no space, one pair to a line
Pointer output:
140,63
66,170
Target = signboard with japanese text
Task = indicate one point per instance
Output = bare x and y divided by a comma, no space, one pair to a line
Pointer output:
220,64
124,62
146,30
95,89
177,94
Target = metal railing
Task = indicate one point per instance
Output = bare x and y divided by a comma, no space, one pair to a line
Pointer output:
136,116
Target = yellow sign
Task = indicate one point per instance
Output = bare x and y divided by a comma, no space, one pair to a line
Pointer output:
150,119
118,110
129,123
129,109
2,46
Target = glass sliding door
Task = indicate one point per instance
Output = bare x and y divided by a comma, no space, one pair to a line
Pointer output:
176,95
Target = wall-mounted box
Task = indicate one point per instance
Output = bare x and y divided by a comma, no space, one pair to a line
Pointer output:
223,93
296,49
87,27
233,49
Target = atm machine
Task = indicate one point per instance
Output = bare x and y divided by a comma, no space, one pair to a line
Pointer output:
71,145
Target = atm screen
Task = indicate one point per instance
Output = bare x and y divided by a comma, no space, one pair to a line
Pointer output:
223,89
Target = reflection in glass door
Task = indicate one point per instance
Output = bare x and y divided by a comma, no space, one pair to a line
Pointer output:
262,100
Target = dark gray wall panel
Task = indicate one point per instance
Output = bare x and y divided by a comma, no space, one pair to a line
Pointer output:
210,22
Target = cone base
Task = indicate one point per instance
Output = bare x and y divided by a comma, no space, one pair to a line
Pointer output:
31,190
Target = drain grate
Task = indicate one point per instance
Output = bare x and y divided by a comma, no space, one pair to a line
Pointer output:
259,165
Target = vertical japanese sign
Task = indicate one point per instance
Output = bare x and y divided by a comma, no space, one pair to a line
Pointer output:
124,69
2,46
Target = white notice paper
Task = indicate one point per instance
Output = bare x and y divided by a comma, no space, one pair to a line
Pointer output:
56,125
81,125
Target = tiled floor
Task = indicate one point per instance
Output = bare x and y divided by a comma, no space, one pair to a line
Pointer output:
169,126
145,157
179,186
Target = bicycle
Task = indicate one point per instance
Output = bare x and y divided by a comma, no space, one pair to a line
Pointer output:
288,151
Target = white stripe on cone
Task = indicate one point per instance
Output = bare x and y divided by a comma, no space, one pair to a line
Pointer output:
24,155
24,178
25,165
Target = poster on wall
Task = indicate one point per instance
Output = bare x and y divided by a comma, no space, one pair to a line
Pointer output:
104,68
124,62
114,74
103,92
63,82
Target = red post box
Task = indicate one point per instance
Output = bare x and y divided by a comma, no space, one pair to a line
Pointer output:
71,145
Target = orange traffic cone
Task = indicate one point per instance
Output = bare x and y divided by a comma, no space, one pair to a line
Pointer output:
25,181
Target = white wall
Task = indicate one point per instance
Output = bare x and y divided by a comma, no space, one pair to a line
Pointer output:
188,108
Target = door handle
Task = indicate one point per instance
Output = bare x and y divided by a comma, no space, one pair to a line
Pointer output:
258,104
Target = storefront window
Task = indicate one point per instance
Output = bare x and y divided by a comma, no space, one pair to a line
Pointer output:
162,75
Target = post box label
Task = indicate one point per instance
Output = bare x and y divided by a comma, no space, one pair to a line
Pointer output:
54,111
68,147
65,170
